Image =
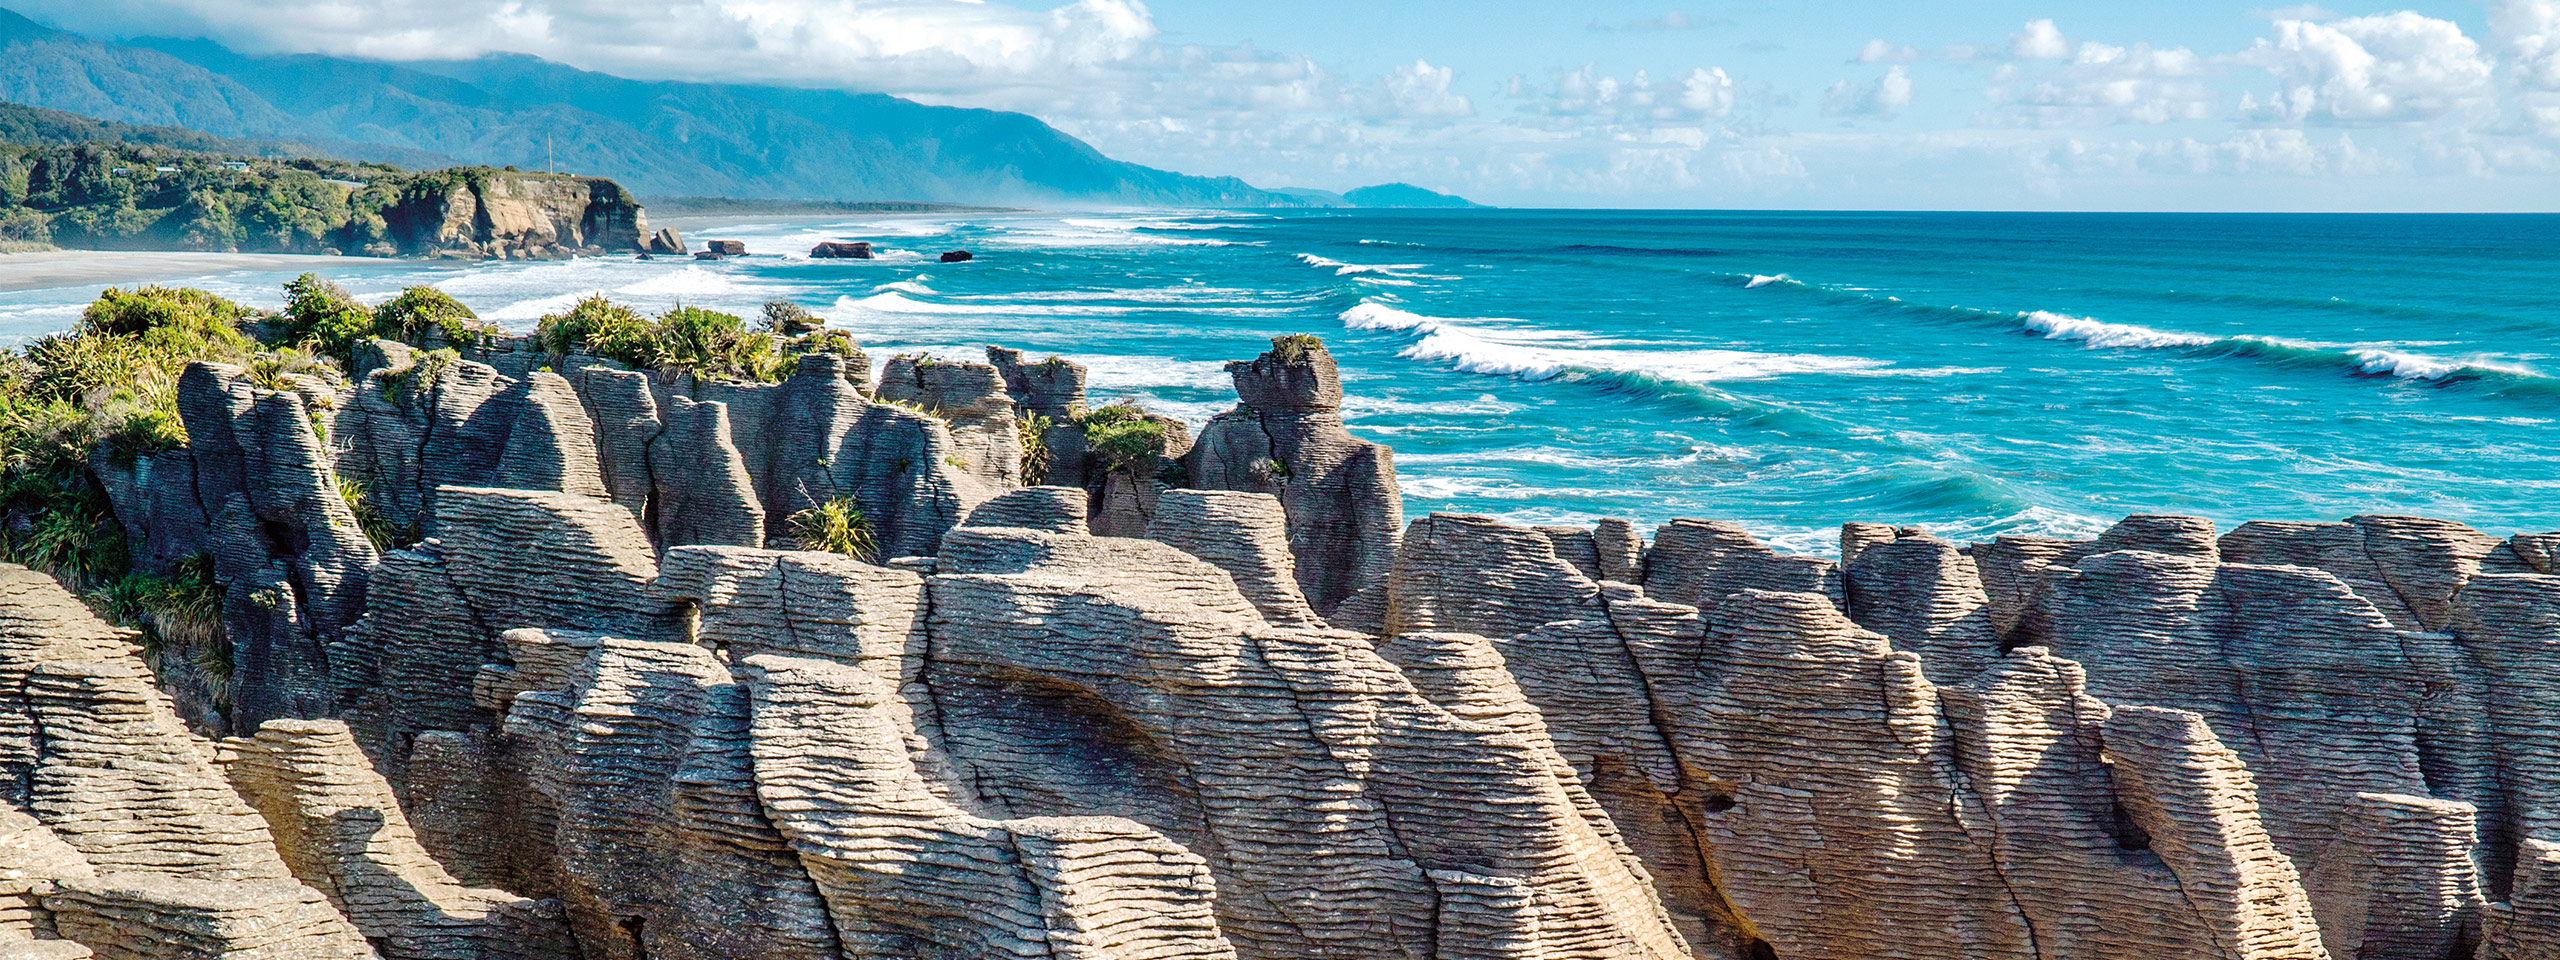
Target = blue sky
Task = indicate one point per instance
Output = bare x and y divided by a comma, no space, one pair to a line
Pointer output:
1943,104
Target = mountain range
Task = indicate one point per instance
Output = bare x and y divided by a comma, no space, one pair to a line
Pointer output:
659,138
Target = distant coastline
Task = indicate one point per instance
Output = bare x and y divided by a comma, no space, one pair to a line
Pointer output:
718,206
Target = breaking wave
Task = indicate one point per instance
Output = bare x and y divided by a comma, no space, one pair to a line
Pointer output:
2370,359
1503,348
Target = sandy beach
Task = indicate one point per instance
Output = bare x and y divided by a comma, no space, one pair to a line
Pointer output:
63,268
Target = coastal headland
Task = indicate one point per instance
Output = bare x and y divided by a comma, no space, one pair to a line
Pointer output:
348,631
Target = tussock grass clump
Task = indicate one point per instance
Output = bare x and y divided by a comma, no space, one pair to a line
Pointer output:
836,526
1033,430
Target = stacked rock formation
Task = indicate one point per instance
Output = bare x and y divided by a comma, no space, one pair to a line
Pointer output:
1286,438
1221,701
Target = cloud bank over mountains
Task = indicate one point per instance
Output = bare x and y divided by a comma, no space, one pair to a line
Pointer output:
2030,113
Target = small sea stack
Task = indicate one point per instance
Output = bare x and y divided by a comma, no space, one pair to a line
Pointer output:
727,248
957,256
841,250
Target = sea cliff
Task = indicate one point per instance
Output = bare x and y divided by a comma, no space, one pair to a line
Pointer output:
674,638
126,196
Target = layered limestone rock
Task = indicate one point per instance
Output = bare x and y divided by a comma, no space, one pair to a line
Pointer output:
582,710
287,550
1286,438
339,828
1051,390
824,439
1741,753
135,845
1244,534
905,873
1700,562
971,401
1077,675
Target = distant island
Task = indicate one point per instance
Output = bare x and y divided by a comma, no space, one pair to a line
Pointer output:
1382,195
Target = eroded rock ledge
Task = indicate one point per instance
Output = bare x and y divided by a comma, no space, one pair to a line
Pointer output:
1218,700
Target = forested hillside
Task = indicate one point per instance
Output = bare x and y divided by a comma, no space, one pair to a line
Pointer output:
659,138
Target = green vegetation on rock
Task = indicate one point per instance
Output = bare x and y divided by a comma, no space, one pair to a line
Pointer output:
1123,437
707,342
836,526
1034,433
110,195
106,391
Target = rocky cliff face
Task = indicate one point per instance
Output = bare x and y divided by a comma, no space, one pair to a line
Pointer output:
590,701
483,214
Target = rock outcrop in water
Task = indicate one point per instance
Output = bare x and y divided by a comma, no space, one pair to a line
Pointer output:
1101,693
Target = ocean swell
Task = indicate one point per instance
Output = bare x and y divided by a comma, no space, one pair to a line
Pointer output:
2370,359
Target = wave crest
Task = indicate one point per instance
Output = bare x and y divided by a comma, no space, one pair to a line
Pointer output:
1478,346
2362,358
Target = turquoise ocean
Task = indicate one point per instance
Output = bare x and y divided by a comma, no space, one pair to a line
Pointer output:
1975,374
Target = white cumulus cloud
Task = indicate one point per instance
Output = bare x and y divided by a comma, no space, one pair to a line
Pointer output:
1704,93
2105,84
912,45
1421,91
1884,98
2530,32
1880,51
2039,40
2389,68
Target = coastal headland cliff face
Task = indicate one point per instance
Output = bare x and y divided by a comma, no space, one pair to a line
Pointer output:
616,663
143,196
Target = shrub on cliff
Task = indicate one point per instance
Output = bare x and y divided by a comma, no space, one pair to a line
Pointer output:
1122,436
602,328
718,344
419,314
707,342
322,313
107,387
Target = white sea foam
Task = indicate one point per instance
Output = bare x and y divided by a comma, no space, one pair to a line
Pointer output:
1128,371
2371,358
19,324
2099,333
1504,348
1761,281
900,302
521,312
915,286
1558,457
690,281
1450,488
1373,315
1366,405
1371,271
1089,232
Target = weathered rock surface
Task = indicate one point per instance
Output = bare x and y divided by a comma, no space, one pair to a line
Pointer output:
511,216
580,709
1286,438
134,845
